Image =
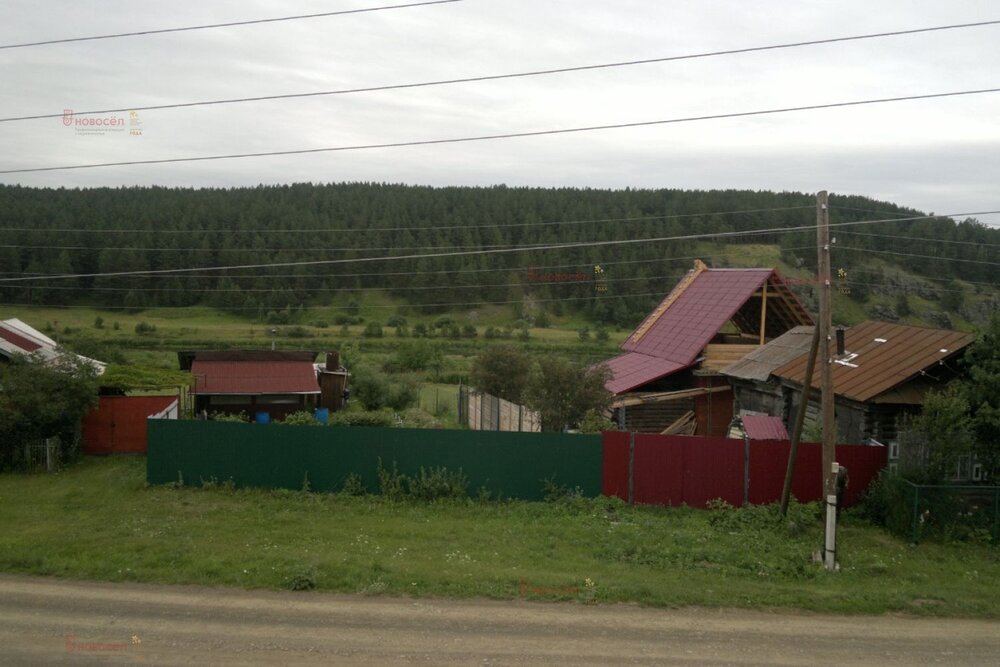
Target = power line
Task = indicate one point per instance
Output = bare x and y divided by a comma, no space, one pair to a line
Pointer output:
465,253
229,24
923,238
497,77
369,230
576,266
907,254
509,135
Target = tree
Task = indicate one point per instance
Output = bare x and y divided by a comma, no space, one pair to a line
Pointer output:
932,443
502,370
982,361
42,399
563,392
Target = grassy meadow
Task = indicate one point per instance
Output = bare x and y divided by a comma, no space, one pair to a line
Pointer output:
98,520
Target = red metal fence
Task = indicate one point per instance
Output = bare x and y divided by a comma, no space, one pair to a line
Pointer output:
674,469
118,424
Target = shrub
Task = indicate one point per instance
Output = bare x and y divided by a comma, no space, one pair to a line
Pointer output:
228,417
437,484
396,320
353,485
372,330
296,332
300,418
143,328
378,418
584,334
321,324
469,331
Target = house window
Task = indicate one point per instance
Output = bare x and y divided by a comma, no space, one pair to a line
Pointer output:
893,450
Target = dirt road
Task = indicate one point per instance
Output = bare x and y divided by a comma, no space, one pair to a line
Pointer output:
50,621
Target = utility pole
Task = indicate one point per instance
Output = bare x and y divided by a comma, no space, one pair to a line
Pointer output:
826,376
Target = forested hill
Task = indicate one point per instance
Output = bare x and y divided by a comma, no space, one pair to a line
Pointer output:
100,231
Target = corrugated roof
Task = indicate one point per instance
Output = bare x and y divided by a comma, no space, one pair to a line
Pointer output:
681,332
759,364
881,356
254,377
759,427
677,331
633,370
16,337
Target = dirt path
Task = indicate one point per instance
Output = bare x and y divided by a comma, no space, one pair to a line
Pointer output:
51,621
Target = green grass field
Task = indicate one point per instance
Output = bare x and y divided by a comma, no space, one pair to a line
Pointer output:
97,520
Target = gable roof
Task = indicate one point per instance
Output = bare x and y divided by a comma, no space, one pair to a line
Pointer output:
679,328
253,372
880,357
17,337
759,364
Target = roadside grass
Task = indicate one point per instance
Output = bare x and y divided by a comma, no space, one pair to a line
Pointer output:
98,520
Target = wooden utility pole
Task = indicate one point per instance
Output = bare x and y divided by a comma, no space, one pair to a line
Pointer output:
826,375
800,418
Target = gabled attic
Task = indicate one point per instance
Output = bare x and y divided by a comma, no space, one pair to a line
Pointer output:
688,328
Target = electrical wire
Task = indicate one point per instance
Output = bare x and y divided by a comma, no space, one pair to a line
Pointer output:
466,253
907,254
923,238
232,24
508,135
369,230
497,77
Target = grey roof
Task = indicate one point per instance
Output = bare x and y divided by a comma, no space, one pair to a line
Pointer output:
759,364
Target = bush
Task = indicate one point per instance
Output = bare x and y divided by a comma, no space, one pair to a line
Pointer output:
143,328
584,334
300,418
378,418
417,355
354,486
321,324
372,330
469,331
228,417
428,484
396,320
296,332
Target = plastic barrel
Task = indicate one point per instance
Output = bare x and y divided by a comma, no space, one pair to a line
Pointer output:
322,415
263,418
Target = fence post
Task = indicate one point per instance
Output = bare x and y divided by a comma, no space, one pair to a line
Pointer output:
916,511
631,468
996,515
746,470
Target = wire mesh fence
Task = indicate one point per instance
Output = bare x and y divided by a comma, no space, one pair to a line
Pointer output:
946,512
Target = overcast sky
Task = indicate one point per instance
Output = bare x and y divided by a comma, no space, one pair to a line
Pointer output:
940,155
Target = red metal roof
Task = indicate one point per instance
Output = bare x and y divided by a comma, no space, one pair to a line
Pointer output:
759,427
17,339
633,369
254,377
696,315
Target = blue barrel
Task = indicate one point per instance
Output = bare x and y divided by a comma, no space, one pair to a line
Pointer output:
322,415
263,417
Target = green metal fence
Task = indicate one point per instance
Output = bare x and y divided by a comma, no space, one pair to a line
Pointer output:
508,465
951,511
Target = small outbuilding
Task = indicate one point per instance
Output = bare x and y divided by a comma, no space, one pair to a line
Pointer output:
264,385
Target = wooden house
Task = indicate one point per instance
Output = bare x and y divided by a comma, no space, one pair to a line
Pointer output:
668,378
884,372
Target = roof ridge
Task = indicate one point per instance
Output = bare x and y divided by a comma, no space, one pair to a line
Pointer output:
675,293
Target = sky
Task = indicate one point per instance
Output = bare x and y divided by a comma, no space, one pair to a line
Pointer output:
937,155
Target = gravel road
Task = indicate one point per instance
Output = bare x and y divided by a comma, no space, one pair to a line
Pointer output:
53,621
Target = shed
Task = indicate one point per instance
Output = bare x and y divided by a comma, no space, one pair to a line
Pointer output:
275,382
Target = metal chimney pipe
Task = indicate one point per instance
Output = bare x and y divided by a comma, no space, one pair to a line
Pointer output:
840,342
